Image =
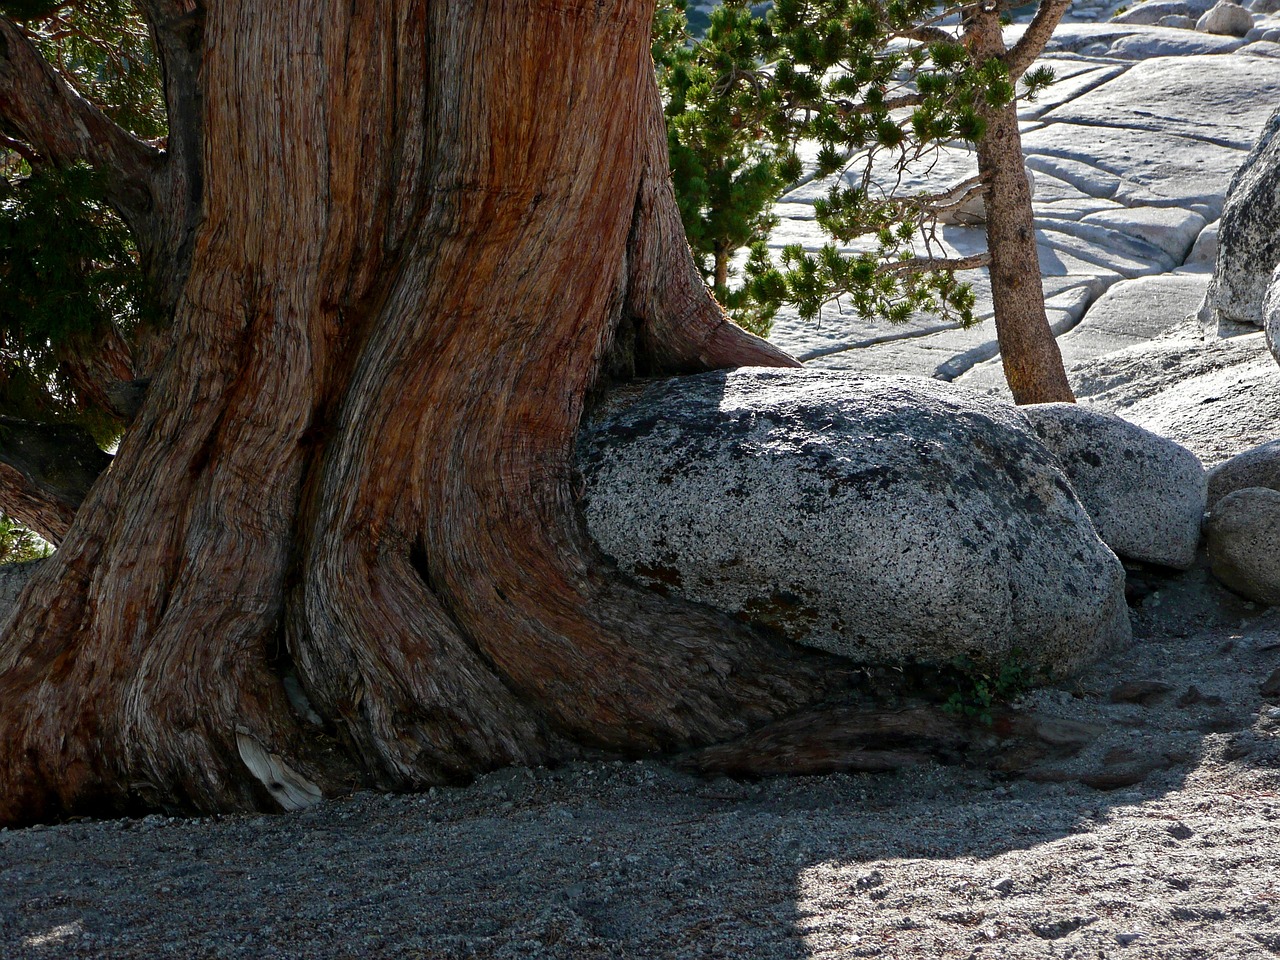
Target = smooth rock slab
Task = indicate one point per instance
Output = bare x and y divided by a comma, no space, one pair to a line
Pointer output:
1256,467
1145,494
889,520
1224,99
1133,312
1136,167
1215,398
1243,542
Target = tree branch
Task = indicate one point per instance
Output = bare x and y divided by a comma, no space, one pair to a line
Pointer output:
102,372
1022,54
926,34
41,108
178,29
921,264
45,472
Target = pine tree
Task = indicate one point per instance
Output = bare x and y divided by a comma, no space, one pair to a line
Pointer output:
875,90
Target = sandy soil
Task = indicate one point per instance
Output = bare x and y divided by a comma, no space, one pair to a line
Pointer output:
1160,838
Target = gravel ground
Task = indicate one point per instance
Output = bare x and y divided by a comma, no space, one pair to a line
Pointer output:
1172,852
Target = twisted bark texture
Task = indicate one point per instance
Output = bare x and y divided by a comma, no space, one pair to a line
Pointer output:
339,541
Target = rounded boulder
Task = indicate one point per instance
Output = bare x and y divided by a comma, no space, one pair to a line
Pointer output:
1243,542
886,519
1256,467
1144,493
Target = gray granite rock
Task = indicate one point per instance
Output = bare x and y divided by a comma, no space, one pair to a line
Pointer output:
1225,98
1133,42
1163,42
1226,18
1172,230
1177,22
1248,235
1256,467
1145,494
1152,12
1242,538
1268,47
1205,250
885,519
1215,397
1132,312
1264,6
1271,315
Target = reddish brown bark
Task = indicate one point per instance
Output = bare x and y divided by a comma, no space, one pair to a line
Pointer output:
423,227
1030,355
45,473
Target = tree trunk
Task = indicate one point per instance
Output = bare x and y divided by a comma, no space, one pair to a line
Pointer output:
722,269
428,231
1028,350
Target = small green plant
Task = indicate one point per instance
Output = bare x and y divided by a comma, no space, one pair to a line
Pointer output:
868,89
18,544
979,689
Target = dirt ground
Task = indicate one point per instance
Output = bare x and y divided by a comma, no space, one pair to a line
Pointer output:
1160,838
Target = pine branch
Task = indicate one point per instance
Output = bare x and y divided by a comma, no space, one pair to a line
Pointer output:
1024,53
926,34
923,264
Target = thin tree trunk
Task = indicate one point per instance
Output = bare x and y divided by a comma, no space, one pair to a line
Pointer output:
1028,350
425,228
722,269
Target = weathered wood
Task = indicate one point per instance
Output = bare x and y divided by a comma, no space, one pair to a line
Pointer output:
45,473
422,228
869,736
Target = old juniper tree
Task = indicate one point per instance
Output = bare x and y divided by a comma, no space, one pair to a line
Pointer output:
398,243
391,249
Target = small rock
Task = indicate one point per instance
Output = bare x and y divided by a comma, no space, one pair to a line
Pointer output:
1124,939
1144,692
1273,713
869,880
1270,688
1227,19
1178,22
1243,543
1144,493
1180,831
1118,755
1002,885
1194,696
1257,467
